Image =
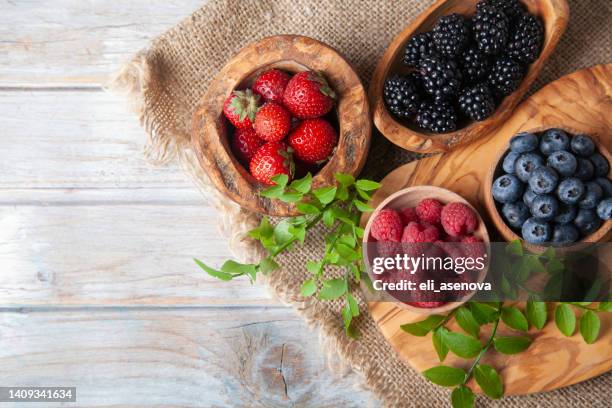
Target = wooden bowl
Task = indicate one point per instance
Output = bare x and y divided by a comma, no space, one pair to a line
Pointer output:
554,15
410,197
601,235
290,53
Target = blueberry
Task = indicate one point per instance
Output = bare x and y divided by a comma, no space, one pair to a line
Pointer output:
563,162
515,214
543,180
526,164
536,231
582,145
604,209
570,190
509,160
600,165
545,207
585,169
507,189
606,186
587,221
554,140
592,196
566,213
529,196
565,234
523,142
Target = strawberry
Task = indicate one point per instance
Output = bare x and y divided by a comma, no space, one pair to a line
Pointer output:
271,85
272,122
313,141
240,108
245,143
308,95
271,159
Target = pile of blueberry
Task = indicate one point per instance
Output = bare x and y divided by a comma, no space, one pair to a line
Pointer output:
555,187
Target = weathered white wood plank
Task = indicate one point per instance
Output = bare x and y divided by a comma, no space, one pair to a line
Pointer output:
187,358
75,42
75,140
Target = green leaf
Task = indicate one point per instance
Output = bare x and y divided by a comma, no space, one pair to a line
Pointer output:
358,231
353,305
467,322
534,264
438,342
348,239
605,306
482,312
515,248
347,253
273,192
280,180
550,253
364,194
514,318
342,194
325,194
268,265
306,208
236,268
333,289
537,313
367,185
489,381
511,344
589,326
291,197
361,206
302,185
462,397
264,230
554,265
423,327
461,344
345,180
565,319
328,218
298,232
309,287
213,272
445,375
314,267
282,232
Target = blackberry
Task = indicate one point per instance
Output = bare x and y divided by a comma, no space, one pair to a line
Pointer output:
474,64
437,117
490,28
505,76
511,8
401,96
451,34
418,47
441,77
525,42
477,102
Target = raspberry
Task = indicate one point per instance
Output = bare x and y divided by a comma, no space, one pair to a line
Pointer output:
387,226
473,247
416,232
470,239
429,210
458,219
388,249
408,215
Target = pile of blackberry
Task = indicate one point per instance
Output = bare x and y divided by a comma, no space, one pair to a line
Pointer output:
464,67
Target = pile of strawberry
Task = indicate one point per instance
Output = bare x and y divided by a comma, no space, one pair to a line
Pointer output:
279,123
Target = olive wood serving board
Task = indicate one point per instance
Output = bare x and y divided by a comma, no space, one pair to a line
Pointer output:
581,101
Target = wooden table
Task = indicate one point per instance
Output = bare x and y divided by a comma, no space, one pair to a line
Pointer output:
98,288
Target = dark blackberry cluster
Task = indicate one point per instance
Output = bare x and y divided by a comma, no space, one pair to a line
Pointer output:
461,70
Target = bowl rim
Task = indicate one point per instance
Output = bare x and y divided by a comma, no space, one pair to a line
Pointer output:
436,193
506,232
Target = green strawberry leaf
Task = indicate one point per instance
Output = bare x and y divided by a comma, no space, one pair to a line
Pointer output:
462,397
333,289
445,376
367,185
514,318
511,345
224,276
422,327
309,287
325,194
589,326
467,322
565,319
302,185
438,342
536,313
489,381
461,344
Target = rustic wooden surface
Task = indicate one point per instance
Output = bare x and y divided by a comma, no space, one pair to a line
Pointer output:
98,288
580,101
554,15
290,53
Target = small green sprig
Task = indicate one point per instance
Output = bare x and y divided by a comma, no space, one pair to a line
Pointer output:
339,208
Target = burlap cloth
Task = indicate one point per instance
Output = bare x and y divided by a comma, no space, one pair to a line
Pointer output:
165,81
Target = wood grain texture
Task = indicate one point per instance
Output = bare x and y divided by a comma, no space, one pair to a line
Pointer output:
291,53
581,101
554,15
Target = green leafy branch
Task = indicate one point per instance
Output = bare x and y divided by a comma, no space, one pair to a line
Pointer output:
339,208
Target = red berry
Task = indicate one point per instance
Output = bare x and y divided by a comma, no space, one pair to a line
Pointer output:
470,239
313,141
387,226
473,247
458,219
271,159
416,232
308,95
272,122
240,108
271,85
245,143
408,215
429,210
